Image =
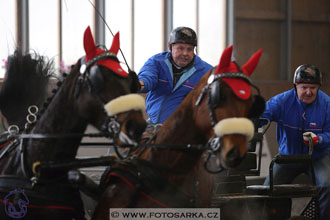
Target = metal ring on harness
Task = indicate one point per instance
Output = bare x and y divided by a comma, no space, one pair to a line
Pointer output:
33,109
31,118
214,144
13,130
206,164
114,126
35,166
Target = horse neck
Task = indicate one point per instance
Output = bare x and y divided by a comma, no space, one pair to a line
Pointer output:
179,129
61,117
182,129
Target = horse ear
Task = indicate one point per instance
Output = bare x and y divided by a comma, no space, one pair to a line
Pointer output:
89,44
225,59
115,44
252,63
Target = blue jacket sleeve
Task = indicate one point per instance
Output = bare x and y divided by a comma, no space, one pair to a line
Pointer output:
272,109
149,75
324,137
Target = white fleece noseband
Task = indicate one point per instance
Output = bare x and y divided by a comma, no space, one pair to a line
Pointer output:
125,103
242,126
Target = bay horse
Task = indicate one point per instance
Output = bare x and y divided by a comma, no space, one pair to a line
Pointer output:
26,83
171,172
96,79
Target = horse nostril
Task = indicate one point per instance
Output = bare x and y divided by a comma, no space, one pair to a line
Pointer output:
135,129
233,157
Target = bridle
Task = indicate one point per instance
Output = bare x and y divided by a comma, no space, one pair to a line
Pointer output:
213,85
212,89
93,78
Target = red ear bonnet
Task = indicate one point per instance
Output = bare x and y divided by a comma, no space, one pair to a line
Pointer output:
92,51
239,86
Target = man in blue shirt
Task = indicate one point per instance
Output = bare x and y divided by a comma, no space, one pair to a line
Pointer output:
301,111
169,76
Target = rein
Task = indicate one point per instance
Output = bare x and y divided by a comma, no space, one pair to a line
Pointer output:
65,136
176,146
101,161
98,12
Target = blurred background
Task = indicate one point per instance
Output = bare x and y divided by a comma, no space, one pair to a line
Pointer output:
290,32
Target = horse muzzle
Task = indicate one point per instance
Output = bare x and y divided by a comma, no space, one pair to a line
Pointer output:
235,134
232,159
133,124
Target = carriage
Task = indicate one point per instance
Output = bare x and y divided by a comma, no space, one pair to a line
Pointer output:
98,91
233,188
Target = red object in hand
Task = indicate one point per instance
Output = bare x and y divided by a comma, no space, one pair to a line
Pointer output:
308,135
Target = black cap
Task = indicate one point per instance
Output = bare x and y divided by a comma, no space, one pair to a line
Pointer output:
183,35
307,73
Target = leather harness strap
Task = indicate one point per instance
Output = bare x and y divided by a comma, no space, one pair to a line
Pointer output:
12,182
149,184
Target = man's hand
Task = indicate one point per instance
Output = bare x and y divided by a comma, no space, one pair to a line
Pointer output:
141,85
308,135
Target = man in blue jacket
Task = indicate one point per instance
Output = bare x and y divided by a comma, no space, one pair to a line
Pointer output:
169,76
301,111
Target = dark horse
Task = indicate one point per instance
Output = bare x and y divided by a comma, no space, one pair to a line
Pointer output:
26,84
171,172
96,79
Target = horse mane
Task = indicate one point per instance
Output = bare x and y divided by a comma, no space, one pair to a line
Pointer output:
25,84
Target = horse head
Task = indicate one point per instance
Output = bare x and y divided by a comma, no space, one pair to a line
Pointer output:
112,86
229,106
97,92
219,107
95,80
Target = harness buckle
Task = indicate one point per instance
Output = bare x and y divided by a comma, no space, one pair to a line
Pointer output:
214,143
34,181
13,130
114,127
